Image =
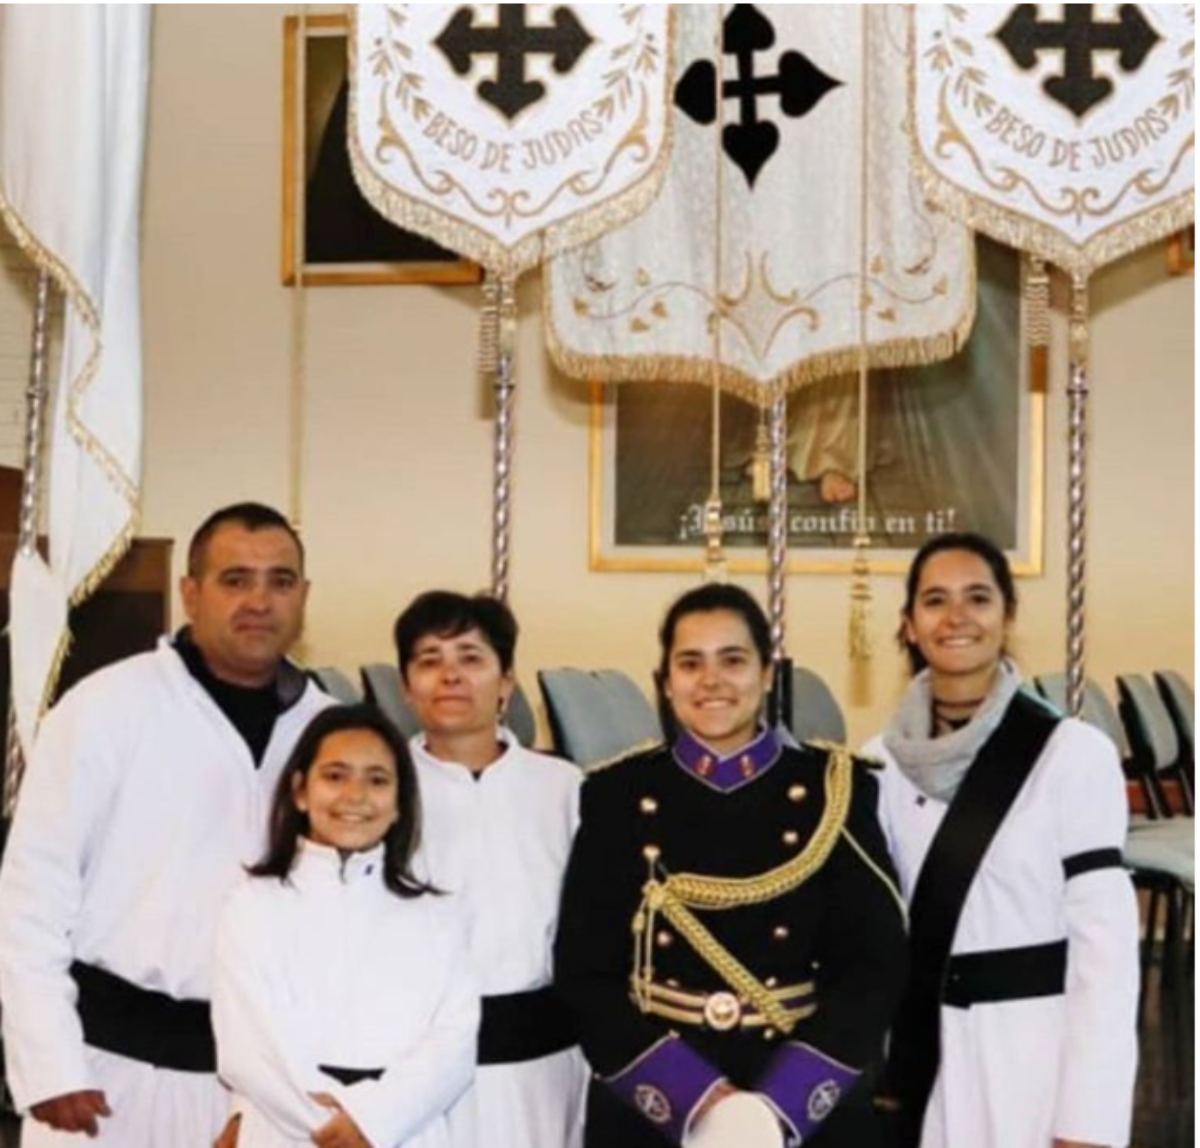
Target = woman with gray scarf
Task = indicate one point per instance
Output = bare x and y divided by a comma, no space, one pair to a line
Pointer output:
1006,823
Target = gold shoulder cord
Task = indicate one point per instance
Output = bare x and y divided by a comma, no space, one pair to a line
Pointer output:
677,895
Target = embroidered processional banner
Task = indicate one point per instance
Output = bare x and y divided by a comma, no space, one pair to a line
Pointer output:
506,132
810,120
1064,130
73,87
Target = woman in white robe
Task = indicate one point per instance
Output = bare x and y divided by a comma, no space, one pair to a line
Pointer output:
343,1004
497,825
1029,1021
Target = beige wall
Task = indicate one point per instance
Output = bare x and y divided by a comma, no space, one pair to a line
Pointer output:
398,456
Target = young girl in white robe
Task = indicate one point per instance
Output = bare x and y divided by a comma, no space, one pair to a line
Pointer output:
343,1005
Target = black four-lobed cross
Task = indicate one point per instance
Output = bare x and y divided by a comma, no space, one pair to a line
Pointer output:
510,40
799,84
1078,36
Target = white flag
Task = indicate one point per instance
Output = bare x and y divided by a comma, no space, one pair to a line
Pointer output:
797,147
506,132
72,125
1062,129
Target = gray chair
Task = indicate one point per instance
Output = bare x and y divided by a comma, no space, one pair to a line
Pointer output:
1097,709
385,690
1160,848
381,685
596,715
520,717
1155,743
336,684
815,711
1180,699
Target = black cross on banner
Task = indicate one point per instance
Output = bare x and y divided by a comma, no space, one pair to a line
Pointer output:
1078,36
799,84
510,40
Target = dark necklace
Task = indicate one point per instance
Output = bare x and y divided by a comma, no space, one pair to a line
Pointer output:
946,704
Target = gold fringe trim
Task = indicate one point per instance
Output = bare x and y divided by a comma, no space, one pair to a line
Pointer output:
478,245
649,368
641,747
46,260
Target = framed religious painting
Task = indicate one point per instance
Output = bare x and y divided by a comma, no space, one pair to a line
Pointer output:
958,445
330,232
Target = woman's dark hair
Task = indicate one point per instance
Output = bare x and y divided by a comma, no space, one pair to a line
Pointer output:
706,599
288,822
447,614
975,544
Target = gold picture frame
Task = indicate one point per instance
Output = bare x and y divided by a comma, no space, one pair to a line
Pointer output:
664,455
352,244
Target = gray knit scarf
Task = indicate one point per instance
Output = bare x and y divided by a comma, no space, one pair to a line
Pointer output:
937,765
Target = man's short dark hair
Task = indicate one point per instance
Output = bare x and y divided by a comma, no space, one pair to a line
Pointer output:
248,515
447,615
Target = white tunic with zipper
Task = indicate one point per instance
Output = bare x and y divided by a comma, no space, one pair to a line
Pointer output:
499,845
139,808
330,967
1017,1074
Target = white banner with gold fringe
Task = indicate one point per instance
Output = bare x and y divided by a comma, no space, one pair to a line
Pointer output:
72,123
508,131
797,147
1064,130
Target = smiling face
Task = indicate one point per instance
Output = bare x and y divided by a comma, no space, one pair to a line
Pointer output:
716,680
350,791
959,620
455,684
246,602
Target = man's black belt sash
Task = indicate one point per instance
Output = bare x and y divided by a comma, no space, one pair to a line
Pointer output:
1006,975
523,1026
141,1024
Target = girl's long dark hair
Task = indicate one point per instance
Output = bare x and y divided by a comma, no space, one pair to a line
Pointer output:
288,823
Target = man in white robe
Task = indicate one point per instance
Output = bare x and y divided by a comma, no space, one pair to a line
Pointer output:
497,826
147,791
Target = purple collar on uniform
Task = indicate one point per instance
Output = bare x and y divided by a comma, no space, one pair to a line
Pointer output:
727,773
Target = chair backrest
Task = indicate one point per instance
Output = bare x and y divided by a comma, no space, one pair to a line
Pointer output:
1097,709
597,715
336,684
520,717
384,689
1151,732
815,711
1180,700
381,685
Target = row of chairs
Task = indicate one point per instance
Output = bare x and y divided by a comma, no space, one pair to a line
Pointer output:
1153,726
594,715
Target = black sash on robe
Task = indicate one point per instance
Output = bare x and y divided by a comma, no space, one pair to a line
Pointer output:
986,794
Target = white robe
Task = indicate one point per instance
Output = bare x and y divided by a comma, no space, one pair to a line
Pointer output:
1017,1074
332,968
140,805
500,844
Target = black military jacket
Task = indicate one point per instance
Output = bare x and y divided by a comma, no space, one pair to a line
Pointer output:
842,928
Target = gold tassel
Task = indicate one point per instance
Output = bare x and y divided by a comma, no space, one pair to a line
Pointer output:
760,465
1037,321
489,328
715,567
1079,337
860,600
